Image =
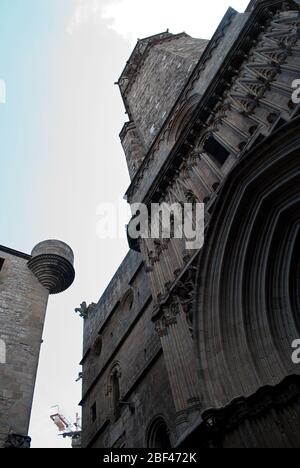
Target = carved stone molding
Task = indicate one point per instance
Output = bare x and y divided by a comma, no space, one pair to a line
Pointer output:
182,295
243,297
17,441
241,415
168,318
52,264
259,58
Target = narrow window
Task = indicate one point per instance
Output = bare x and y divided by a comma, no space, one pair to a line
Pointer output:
116,394
1,263
94,412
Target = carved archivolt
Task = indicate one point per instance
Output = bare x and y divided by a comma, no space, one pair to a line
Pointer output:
248,287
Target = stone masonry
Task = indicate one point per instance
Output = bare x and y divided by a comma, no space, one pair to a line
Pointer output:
192,348
25,284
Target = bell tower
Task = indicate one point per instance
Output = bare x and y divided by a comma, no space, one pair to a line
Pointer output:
150,85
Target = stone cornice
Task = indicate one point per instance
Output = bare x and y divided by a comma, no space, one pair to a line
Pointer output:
14,253
211,426
218,422
55,273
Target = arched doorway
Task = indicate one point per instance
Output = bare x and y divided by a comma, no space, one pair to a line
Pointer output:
247,293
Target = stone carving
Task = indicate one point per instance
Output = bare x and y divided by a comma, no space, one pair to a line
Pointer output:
270,49
84,310
167,319
17,441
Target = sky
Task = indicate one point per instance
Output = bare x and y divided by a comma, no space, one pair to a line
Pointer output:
61,157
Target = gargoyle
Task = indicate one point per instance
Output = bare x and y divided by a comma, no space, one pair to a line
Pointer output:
84,309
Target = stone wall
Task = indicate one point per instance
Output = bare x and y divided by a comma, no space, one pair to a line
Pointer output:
25,284
120,332
160,78
23,302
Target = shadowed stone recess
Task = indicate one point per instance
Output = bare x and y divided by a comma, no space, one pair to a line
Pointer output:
17,441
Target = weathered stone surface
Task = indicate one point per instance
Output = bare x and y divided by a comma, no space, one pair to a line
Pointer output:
23,302
162,71
225,315
52,263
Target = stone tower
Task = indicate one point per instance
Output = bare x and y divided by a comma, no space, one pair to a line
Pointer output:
150,84
25,284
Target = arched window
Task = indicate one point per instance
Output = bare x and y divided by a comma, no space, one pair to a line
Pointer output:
114,392
127,300
158,435
97,346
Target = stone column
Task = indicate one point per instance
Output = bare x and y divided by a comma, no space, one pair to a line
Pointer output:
178,348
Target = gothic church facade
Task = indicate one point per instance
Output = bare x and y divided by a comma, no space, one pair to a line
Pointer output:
193,348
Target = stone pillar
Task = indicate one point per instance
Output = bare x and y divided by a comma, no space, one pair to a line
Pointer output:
178,348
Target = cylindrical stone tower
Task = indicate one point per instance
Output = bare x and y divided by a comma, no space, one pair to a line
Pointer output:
52,264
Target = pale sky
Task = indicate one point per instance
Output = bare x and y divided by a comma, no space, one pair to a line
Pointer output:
60,151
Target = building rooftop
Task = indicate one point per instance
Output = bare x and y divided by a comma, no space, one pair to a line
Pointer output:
15,253
140,51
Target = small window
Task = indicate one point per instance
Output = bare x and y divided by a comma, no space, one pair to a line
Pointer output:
94,412
216,150
1,263
116,394
127,301
97,346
